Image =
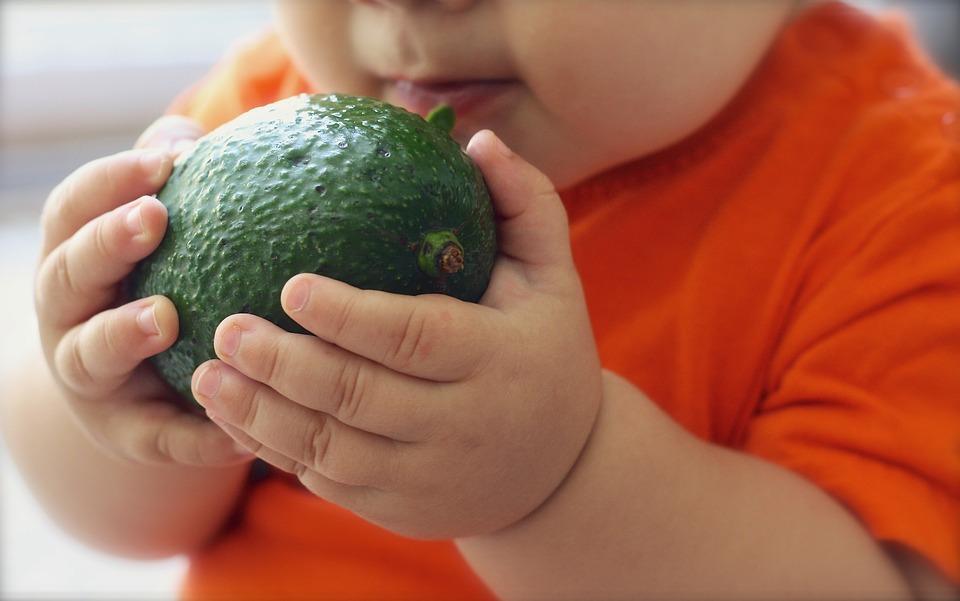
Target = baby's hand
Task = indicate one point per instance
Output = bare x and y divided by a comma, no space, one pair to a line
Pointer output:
427,415
96,225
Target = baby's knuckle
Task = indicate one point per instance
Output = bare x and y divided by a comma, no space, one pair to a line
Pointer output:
145,446
101,240
254,402
63,274
431,330
270,357
349,390
318,445
112,338
306,476
346,316
161,449
72,365
253,445
412,340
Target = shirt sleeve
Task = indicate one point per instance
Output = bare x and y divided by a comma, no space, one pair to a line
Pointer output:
864,393
256,71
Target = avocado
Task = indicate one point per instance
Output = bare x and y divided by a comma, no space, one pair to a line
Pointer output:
348,187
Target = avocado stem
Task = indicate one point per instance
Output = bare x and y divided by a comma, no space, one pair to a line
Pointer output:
443,117
451,258
440,254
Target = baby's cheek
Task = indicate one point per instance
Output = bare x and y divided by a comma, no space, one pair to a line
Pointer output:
617,80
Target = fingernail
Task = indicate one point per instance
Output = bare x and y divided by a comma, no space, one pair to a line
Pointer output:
134,220
147,321
298,295
209,382
229,340
154,163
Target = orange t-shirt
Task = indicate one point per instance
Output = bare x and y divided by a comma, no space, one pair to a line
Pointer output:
786,282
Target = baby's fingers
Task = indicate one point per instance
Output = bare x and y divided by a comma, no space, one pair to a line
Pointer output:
99,186
173,133
97,356
157,432
79,278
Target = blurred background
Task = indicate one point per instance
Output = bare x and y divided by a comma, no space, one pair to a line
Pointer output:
80,79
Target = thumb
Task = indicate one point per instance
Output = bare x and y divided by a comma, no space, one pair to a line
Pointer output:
172,133
533,225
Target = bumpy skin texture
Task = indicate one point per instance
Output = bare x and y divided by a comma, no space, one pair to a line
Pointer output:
341,186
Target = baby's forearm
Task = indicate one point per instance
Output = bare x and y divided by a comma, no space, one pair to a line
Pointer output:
116,506
651,512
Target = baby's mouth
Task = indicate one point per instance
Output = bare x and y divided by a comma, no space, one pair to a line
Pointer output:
465,96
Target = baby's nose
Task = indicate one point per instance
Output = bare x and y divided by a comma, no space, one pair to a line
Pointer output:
451,5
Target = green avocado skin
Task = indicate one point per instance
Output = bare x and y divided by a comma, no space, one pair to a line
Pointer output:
337,185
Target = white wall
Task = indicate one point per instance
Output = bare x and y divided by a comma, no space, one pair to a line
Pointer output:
80,79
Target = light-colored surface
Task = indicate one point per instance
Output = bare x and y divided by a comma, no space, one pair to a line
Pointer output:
36,559
81,79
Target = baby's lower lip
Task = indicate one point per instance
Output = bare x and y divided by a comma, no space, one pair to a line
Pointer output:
465,97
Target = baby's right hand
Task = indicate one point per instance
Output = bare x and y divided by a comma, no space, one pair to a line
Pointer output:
96,225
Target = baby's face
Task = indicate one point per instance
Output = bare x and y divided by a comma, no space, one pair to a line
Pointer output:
574,86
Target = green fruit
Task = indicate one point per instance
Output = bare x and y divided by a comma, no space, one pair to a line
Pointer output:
351,188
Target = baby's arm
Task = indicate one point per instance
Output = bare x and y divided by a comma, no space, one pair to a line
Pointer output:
650,508
95,432
115,505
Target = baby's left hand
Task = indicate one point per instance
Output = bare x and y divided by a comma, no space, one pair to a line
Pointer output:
427,415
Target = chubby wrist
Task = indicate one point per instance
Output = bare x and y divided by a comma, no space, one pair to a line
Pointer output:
630,439
652,511
558,493
636,472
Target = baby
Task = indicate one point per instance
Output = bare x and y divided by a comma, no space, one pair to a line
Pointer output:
720,362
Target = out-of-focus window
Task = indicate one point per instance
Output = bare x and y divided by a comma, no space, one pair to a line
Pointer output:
80,79
937,22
